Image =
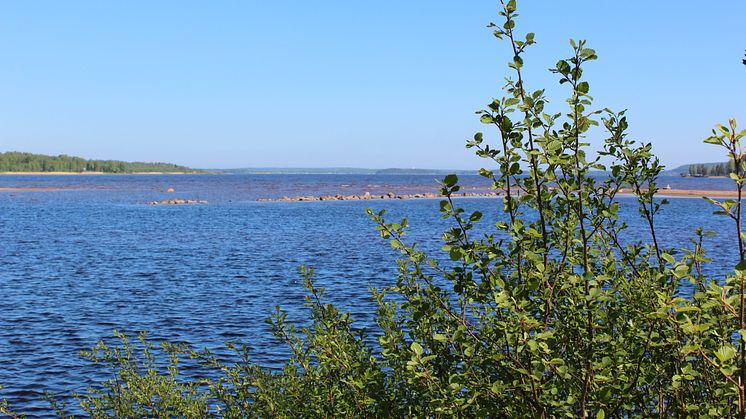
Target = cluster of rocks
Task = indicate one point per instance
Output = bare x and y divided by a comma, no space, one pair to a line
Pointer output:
176,202
368,196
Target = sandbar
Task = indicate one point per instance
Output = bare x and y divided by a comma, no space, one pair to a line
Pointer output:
691,193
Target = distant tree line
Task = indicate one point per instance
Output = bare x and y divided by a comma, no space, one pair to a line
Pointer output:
711,169
28,162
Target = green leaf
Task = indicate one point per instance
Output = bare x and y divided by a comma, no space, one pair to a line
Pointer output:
681,270
588,53
687,309
416,348
725,353
710,200
496,388
563,67
713,140
510,7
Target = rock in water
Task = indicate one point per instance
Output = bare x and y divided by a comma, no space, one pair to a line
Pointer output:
176,202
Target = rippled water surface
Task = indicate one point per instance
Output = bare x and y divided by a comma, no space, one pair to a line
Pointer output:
81,262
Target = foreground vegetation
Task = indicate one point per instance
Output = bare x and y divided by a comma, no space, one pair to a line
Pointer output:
27,162
553,314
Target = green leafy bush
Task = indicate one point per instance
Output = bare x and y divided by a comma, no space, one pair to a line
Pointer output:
553,313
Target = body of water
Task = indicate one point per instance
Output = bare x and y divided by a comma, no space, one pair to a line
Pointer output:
81,262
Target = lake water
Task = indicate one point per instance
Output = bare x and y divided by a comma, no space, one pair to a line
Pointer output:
82,262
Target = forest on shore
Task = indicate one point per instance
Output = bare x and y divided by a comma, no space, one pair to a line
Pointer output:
28,162
709,169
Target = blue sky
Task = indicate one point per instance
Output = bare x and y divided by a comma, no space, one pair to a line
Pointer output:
344,83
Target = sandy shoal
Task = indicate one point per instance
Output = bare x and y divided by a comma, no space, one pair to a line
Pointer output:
691,193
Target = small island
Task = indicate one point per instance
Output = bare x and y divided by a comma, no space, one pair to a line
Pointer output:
14,162
718,169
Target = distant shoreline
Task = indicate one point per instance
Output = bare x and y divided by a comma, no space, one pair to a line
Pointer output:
99,173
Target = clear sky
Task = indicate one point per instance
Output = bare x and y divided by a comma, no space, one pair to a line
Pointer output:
218,84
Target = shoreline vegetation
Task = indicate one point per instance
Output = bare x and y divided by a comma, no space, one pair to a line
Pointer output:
98,173
14,162
720,169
